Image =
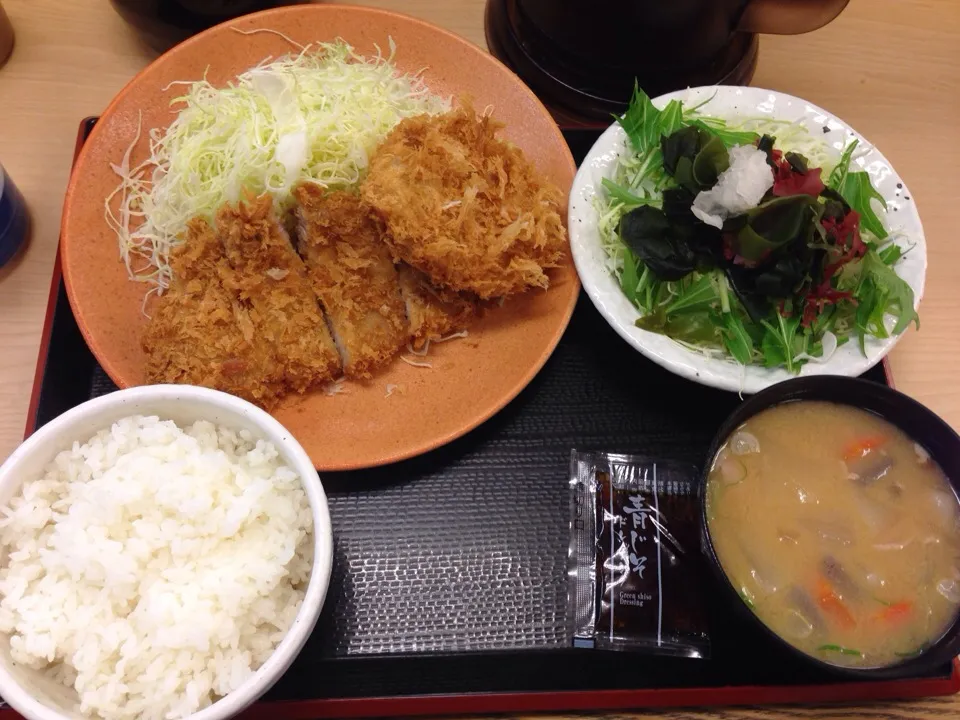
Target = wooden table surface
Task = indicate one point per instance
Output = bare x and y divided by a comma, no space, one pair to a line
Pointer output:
888,67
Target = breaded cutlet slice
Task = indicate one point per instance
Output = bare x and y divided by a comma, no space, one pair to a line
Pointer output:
432,312
351,271
272,280
200,333
464,206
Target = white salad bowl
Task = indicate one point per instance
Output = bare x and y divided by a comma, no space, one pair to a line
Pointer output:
36,697
729,103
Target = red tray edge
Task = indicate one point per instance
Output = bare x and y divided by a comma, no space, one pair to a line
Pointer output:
595,700
393,706
48,315
599,700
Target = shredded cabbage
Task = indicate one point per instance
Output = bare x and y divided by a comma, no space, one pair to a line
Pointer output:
315,116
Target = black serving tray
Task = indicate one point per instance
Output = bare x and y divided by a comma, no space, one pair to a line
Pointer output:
449,582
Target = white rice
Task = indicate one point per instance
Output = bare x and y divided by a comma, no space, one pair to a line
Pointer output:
154,569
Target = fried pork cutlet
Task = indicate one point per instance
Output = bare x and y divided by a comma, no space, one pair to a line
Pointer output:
465,207
199,333
433,312
351,271
271,278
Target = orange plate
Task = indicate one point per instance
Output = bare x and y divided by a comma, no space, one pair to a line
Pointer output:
471,379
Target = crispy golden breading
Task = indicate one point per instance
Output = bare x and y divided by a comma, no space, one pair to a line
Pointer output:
271,278
465,207
351,271
200,334
433,312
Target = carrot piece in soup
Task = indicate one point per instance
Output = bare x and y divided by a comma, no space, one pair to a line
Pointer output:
896,613
860,447
833,606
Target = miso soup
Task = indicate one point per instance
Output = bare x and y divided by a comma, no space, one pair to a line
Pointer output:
839,531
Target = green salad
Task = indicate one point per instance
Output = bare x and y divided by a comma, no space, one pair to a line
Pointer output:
749,241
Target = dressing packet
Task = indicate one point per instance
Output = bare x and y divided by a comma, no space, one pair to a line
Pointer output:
634,563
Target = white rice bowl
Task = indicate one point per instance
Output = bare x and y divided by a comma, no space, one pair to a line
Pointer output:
159,565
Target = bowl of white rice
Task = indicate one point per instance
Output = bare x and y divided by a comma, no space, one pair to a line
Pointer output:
164,553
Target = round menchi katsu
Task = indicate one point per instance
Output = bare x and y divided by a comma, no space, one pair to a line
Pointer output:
839,532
